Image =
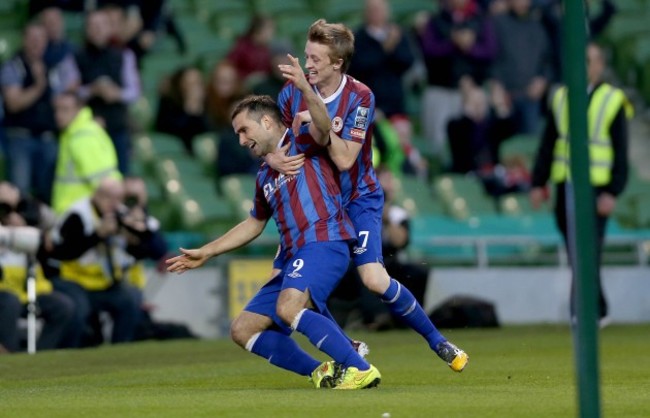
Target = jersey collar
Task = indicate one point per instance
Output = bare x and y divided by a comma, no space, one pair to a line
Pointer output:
336,94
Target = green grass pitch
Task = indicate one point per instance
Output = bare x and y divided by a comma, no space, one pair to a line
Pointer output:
513,372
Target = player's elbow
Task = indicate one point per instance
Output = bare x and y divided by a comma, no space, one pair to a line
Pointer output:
343,163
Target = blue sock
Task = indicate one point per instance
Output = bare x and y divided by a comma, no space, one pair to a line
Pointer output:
402,304
282,351
328,338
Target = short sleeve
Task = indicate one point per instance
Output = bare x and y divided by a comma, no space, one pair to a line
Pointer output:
261,209
359,118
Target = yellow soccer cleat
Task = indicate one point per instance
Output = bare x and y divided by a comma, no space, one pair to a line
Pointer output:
456,358
354,378
324,375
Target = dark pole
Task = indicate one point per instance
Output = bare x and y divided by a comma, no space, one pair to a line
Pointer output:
582,224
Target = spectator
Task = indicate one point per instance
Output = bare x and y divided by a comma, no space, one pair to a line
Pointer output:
607,116
110,82
124,20
458,45
523,63
382,56
86,153
224,90
272,83
251,54
60,52
181,109
475,136
28,121
90,244
552,12
144,241
54,308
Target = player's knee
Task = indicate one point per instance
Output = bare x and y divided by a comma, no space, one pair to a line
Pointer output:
286,312
240,333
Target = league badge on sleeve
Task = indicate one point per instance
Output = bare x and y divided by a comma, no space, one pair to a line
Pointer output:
361,119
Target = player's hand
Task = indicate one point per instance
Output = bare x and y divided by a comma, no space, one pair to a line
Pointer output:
300,119
189,259
295,73
537,196
605,204
288,165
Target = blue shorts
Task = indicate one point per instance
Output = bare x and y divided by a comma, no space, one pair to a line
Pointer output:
317,266
366,213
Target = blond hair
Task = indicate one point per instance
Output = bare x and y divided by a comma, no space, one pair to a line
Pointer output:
337,36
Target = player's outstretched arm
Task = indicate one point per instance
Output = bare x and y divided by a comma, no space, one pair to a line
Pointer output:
238,236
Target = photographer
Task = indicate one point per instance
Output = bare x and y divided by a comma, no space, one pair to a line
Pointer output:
18,245
144,240
90,244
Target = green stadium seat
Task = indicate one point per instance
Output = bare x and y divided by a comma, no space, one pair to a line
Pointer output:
277,8
206,149
624,25
295,27
230,26
9,43
342,9
417,197
631,7
166,145
525,145
141,115
239,189
212,207
404,10
467,197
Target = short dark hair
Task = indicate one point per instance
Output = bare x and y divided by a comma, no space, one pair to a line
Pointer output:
258,106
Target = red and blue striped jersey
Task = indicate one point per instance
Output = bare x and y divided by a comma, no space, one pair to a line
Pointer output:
352,111
307,207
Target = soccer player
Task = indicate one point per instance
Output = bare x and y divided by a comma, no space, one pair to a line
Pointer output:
351,106
315,236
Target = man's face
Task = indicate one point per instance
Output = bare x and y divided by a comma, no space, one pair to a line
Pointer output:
377,12
256,136
98,29
319,64
109,199
53,22
65,110
595,64
35,42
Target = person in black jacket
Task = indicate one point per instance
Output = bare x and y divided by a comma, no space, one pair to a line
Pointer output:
608,175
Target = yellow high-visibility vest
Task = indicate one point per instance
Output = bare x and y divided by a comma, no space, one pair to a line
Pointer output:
14,269
605,103
86,156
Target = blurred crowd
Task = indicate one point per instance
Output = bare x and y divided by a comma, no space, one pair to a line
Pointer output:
482,70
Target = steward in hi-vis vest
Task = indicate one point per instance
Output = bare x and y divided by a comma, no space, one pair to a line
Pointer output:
607,122
86,154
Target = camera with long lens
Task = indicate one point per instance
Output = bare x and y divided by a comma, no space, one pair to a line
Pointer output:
23,239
